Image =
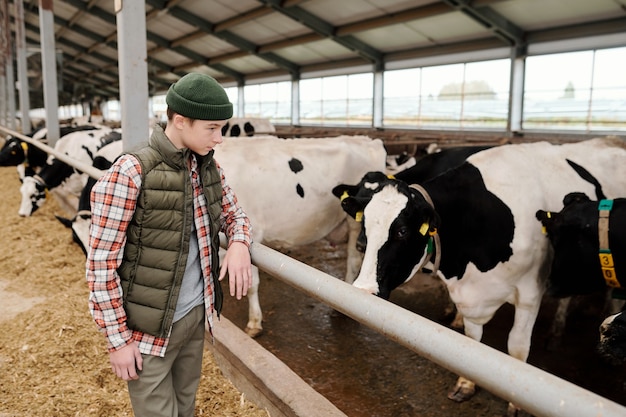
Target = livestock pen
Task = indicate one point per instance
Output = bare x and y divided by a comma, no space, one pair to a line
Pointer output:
536,391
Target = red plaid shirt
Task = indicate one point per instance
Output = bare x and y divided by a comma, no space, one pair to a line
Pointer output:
113,201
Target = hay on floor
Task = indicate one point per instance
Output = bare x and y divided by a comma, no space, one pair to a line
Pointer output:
53,361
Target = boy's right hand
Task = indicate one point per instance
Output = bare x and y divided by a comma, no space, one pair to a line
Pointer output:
126,361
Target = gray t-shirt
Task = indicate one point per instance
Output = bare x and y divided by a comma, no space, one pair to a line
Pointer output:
192,288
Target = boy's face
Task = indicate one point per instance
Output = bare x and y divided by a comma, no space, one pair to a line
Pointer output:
202,136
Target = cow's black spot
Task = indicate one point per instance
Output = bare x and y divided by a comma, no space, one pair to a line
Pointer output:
225,128
300,190
249,129
295,165
235,131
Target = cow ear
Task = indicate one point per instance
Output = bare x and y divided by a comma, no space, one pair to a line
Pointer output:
344,190
545,217
575,198
353,207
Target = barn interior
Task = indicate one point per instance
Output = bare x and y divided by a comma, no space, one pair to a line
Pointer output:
248,45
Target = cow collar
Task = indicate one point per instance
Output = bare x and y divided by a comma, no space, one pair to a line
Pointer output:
606,258
434,244
40,181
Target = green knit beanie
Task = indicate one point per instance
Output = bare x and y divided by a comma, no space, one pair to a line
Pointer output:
199,96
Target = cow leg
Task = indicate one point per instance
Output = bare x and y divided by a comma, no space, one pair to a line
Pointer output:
464,388
255,316
457,322
254,327
354,258
520,335
612,305
558,325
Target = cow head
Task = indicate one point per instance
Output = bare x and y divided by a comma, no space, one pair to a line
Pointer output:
397,223
573,233
33,192
12,153
612,344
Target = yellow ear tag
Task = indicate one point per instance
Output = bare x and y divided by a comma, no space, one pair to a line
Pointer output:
391,177
543,230
344,195
424,228
358,216
549,214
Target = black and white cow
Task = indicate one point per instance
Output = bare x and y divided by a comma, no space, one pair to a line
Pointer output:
81,146
482,213
247,126
284,186
398,163
27,158
577,265
81,222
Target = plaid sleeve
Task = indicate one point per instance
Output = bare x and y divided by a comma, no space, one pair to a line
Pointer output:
235,222
113,202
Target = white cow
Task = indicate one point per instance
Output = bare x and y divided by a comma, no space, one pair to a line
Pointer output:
284,185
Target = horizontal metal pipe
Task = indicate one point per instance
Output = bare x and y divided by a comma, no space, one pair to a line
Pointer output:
530,388
81,166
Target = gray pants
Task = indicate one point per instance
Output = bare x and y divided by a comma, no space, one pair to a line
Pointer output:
167,386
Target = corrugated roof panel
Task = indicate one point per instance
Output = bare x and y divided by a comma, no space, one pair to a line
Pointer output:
218,10
250,64
210,46
316,52
350,10
449,27
269,28
542,14
169,27
170,57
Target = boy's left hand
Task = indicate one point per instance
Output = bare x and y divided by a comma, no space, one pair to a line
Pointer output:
239,267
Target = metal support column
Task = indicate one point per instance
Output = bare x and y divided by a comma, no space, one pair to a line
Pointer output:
49,70
516,95
295,101
133,69
22,75
378,98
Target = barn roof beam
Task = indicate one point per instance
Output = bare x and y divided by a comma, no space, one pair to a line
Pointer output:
329,31
502,28
241,43
83,52
110,18
73,19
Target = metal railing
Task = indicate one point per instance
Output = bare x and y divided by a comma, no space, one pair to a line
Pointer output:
534,390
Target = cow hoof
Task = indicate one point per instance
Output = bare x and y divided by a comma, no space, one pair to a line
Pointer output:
462,391
253,333
512,410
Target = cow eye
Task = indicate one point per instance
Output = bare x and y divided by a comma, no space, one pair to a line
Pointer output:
402,232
